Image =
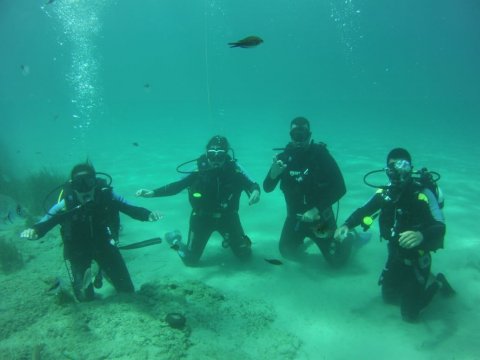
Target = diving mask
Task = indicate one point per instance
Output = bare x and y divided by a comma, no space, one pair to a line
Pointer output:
399,171
300,134
84,182
216,157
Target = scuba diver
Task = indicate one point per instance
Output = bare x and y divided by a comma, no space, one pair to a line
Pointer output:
312,183
214,190
89,218
411,220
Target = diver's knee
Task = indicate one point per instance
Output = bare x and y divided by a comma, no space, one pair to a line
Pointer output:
127,288
288,250
390,295
243,248
410,317
190,260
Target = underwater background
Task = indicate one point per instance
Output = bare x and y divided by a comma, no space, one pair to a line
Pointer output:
140,87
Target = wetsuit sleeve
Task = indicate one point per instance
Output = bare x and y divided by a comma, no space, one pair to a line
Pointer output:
248,185
433,228
54,216
433,236
135,212
253,186
332,186
270,184
174,188
371,207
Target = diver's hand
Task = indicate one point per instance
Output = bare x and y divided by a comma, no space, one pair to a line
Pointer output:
341,233
254,197
311,215
154,216
410,239
29,234
277,168
144,193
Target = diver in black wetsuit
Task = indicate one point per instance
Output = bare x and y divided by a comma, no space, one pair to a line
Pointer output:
89,219
214,194
311,182
412,222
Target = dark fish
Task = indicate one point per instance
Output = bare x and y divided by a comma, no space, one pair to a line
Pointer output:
175,247
49,2
274,261
146,86
135,143
248,42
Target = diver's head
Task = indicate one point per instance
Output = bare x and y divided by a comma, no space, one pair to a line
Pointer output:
399,167
83,181
300,132
216,151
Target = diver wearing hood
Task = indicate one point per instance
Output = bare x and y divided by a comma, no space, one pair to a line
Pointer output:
214,190
311,182
412,222
89,219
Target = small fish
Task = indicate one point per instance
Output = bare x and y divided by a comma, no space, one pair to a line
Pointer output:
49,2
135,144
146,86
274,261
9,218
248,42
175,247
20,211
10,210
54,285
25,69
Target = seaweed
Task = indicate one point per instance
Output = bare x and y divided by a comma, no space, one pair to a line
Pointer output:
7,185
11,259
36,191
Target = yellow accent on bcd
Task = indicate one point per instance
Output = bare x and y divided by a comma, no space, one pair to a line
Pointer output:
423,197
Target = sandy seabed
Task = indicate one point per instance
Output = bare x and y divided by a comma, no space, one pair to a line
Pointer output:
241,311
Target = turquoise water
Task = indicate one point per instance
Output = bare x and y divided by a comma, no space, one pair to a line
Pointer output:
390,72
85,79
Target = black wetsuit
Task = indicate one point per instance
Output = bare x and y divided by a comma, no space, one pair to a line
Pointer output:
405,277
89,232
312,178
214,194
